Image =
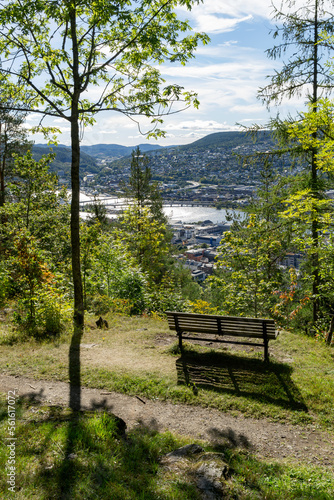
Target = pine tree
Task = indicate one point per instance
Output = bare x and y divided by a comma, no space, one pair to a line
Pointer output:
141,189
13,139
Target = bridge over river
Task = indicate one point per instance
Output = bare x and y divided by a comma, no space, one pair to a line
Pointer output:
119,203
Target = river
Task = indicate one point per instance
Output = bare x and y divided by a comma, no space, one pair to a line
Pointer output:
185,214
195,214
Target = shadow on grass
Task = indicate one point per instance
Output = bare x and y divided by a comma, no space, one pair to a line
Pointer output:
87,454
248,377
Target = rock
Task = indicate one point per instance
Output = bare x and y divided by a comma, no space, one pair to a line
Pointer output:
207,470
210,474
185,451
102,323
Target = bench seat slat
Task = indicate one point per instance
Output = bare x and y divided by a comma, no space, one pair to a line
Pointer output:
224,324
225,330
241,332
216,316
231,334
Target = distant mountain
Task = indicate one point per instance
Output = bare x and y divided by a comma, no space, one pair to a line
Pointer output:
227,139
90,157
116,150
96,157
62,161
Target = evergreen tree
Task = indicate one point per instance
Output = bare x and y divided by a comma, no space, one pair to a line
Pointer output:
303,74
141,189
13,139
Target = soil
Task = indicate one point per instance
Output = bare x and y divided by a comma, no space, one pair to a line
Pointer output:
263,438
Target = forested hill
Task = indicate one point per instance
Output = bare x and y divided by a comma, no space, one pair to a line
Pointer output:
95,158
90,157
228,139
212,159
218,141
62,161
116,150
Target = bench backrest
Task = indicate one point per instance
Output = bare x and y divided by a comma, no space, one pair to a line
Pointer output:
221,325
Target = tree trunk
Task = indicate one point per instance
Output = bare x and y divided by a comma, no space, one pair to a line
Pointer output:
329,335
75,227
314,175
2,171
78,318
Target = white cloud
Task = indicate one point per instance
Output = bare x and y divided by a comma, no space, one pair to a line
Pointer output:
195,125
210,23
246,109
237,8
33,117
226,15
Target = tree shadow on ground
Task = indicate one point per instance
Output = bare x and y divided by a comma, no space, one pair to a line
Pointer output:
87,454
241,376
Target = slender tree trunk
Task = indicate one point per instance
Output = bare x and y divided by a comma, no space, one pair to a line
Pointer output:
78,318
314,177
75,227
2,171
329,335
2,185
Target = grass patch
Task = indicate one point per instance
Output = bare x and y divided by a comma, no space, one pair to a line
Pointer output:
138,356
85,455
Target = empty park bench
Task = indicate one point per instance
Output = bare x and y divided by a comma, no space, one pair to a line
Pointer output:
216,327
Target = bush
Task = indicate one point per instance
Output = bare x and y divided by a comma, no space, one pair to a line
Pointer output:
102,304
166,296
51,313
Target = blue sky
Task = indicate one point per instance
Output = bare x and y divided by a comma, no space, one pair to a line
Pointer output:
226,74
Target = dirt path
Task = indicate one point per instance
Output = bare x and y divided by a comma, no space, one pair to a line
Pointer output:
265,439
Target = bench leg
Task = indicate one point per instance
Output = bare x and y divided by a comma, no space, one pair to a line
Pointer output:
265,342
180,340
266,350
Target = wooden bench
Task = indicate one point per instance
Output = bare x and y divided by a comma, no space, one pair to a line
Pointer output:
220,326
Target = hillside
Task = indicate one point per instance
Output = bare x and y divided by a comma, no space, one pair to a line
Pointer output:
227,140
115,150
210,159
62,163
215,159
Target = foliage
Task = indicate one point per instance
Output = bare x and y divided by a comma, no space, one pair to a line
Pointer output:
203,307
142,189
304,73
36,205
28,272
102,304
300,27
135,38
307,208
247,267
289,309
145,240
13,139
165,296
109,272
52,313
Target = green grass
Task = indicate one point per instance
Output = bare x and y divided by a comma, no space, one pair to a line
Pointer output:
60,455
139,358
